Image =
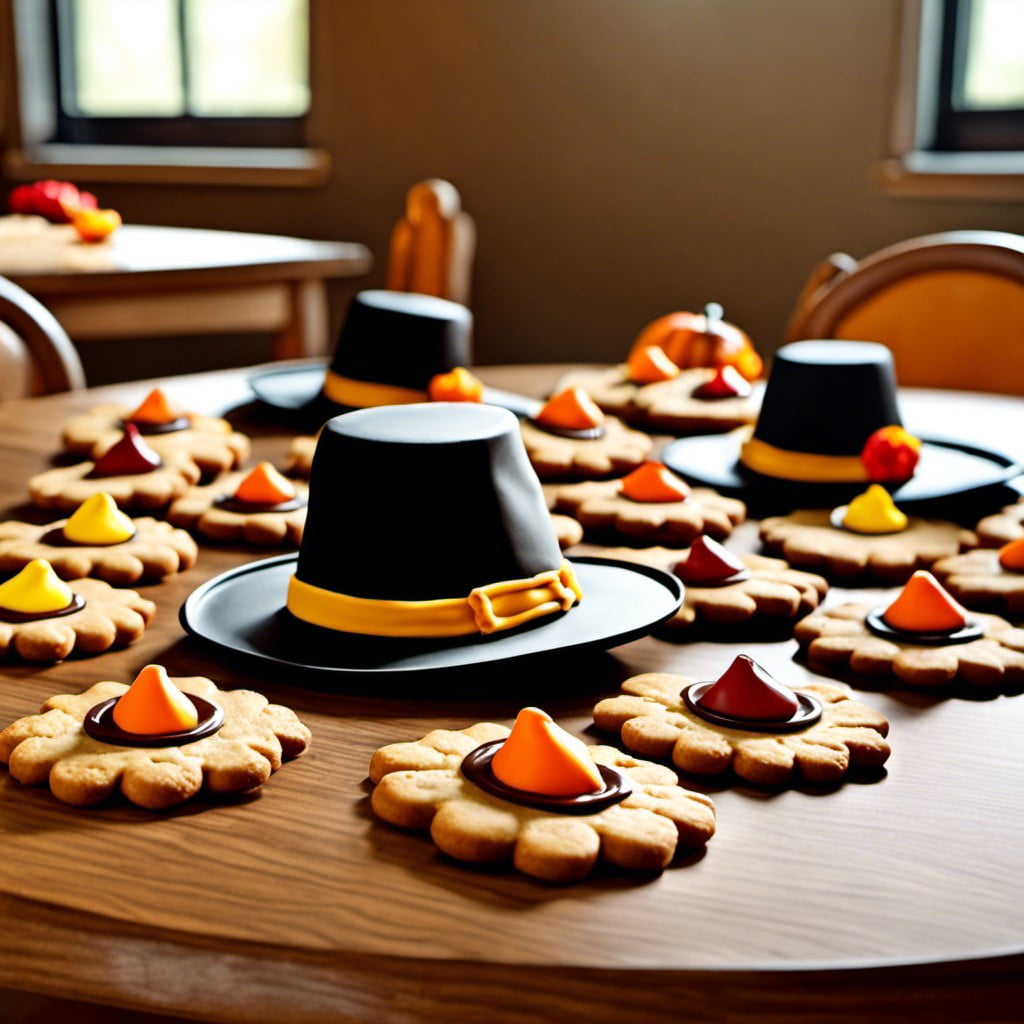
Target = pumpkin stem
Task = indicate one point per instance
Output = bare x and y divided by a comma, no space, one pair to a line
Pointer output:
713,314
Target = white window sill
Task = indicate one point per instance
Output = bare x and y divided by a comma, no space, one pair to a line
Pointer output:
953,175
299,168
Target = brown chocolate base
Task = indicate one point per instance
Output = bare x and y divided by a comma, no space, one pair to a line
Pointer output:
584,434
737,577
99,724
875,621
77,604
55,539
246,508
805,716
181,423
476,766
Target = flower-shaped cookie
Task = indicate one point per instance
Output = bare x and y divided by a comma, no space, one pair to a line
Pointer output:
772,590
808,540
655,721
206,510
1005,525
670,406
108,618
300,456
978,580
419,785
53,747
157,550
599,506
66,487
838,638
618,450
208,441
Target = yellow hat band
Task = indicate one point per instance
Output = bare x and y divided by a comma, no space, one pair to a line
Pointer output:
487,609
804,466
362,394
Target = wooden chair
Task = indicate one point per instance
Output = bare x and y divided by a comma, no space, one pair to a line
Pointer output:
949,305
36,355
433,244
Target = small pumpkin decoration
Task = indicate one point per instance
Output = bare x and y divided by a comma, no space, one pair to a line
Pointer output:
702,339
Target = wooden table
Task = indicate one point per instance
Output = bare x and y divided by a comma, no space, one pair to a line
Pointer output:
885,901
164,281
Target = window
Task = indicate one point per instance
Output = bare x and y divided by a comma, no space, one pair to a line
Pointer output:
958,126
161,83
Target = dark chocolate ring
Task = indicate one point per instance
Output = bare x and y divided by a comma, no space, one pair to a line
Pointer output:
181,423
806,715
99,724
56,539
971,630
476,766
737,577
584,434
76,605
231,504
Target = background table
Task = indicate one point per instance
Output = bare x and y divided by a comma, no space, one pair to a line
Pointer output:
886,900
167,281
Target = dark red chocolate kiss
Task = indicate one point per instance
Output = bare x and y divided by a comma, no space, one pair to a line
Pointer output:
128,457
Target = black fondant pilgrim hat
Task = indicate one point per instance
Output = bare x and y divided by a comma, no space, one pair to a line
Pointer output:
389,347
427,544
822,401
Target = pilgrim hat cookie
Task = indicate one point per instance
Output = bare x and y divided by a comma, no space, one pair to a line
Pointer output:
723,588
443,555
570,437
650,504
99,540
924,638
538,797
42,618
209,441
130,471
1004,526
259,506
158,741
652,393
829,425
986,576
746,720
868,536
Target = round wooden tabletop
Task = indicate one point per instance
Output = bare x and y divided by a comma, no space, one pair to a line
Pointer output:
885,898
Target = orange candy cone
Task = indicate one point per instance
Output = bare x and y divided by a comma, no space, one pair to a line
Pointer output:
156,408
458,385
650,365
925,606
1011,556
541,757
654,483
571,409
264,485
154,706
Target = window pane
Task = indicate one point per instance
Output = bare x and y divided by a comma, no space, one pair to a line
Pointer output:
994,75
248,58
126,59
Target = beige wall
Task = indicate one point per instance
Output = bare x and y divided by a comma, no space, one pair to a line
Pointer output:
622,158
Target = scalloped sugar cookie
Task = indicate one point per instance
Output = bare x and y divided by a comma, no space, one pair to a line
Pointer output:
654,721
299,460
156,551
52,747
618,450
772,591
978,579
419,785
808,540
669,406
837,639
1005,525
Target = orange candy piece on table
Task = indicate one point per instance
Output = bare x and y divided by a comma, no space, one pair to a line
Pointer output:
264,485
650,365
457,385
541,757
154,706
571,409
156,409
925,606
95,225
1011,556
653,483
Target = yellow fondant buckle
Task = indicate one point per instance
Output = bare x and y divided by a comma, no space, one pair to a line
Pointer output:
363,394
487,609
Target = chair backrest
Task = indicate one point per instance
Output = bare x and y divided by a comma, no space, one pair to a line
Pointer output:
950,306
433,243
36,355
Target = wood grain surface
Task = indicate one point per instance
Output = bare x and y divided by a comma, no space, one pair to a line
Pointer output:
883,899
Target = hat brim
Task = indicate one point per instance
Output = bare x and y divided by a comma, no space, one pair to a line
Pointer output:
947,468
296,392
242,612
